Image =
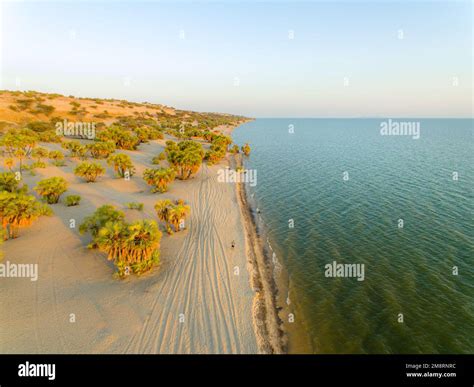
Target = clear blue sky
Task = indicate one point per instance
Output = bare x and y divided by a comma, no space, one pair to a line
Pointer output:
237,57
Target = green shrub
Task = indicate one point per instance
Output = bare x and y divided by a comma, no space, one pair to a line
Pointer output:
51,189
72,200
57,157
185,157
246,149
43,109
9,182
89,171
40,126
135,206
160,157
101,149
38,164
18,210
99,219
159,178
122,164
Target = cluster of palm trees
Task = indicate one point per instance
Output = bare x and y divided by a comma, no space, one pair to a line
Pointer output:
122,164
246,149
89,171
19,144
218,149
133,247
120,137
75,148
101,149
17,208
172,213
159,178
51,189
185,157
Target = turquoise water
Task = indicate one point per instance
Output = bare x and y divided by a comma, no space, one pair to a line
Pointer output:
408,270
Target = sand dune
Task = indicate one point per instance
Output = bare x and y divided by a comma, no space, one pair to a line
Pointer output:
192,303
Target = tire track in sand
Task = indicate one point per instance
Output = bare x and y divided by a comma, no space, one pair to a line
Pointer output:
198,284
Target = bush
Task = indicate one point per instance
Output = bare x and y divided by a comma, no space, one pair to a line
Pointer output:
122,164
18,210
38,164
51,189
173,214
134,247
57,157
101,149
43,109
9,182
89,171
76,148
135,206
73,200
185,157
123,139
159,178
160,157
40,126
98,219
49,136
39,153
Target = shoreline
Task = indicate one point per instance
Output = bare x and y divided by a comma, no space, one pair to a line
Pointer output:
193,303
269,331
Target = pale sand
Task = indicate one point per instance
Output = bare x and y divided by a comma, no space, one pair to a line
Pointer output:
139,315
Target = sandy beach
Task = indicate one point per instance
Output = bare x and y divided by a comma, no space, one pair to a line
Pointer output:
199,300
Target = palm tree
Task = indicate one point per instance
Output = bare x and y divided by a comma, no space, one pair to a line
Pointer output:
178,214
8,182
38,154
57,156
99,219
101,149
159,178
121,163
89,171
246,149
19,210
172,213
19,144
111,239
162,208
76,148
51,189
9,162
185,157
143,240
133,246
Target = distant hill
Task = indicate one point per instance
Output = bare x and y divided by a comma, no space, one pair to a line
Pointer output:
19,108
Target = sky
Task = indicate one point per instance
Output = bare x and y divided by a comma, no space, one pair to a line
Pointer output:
259,59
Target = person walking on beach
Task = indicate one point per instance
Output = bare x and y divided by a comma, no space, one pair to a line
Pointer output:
233,244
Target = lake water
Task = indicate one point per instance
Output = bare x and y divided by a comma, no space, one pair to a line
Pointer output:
402,207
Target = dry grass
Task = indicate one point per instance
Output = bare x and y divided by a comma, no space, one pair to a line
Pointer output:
62,108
